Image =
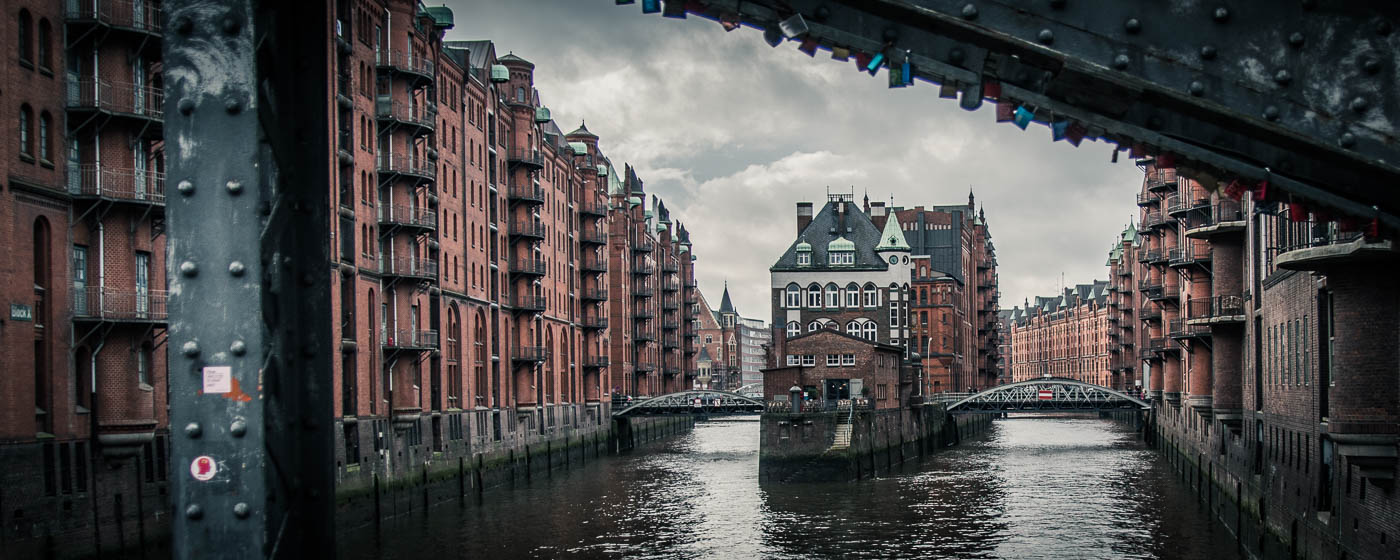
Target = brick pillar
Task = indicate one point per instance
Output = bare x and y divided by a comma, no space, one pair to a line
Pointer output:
1227,338
1199,384
1365,398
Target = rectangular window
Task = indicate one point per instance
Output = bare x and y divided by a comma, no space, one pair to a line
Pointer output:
833,360
80,280
804,259
792,359
143,279
894,313
809,360
880,391
814,297
143,366
848,359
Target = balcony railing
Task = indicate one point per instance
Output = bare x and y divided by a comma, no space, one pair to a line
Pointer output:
642,269
527,157
408,338
528,266
1149,255
595,361
1147,199
1160,344
1216,308
116,183
404,215
1160,179
596,209
669,266
1183,328
1224,211
642,313
109,304
423,115
644,367
670,325
1156,219
529,354
591,322
669,304
1150,314
643,335
117,97
670,286
592,237
404,62
131,14
406,164
643,291
520,228
1189,253
526,193
594,265
644,245
408,266
528,303
594,294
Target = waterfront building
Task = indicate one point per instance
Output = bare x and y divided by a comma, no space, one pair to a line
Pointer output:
735,344
1065,335
495,280
831,366
1124,336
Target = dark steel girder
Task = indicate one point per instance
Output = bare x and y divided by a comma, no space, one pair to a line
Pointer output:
1300,94
711,403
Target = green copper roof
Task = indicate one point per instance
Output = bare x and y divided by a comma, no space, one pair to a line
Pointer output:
442,16
841,244
892,239
660,227
633,200
804,246
579,147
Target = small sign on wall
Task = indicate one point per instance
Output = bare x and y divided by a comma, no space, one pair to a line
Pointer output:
21,312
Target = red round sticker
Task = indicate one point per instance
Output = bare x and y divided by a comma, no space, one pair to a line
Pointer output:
203,468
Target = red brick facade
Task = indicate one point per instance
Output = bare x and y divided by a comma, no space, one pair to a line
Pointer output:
830,366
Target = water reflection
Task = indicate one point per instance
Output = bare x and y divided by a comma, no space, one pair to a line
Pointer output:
1031,488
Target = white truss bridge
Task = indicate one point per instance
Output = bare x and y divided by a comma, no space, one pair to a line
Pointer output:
1051,394
701,402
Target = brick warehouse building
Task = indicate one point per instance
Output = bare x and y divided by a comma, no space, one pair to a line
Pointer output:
1267,333
480,255
1066,335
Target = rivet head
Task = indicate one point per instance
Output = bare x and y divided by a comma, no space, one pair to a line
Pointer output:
190,349
232,25
1045,37
236,268
1296,39
238,428
1283,77
240,510
1207,52
184,26
1120,62
1347,140
1371,65
1197,89
189,269
185,187
233,106
1271,112
1359,104
969,11
1222,14
193,430
186,106
234,187
1132,25
193,511
238,348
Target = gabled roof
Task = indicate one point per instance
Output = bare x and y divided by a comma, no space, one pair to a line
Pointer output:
704,356
726,306
825,228
892,239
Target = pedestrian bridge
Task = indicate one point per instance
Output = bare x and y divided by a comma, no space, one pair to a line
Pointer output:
1046,395
699,402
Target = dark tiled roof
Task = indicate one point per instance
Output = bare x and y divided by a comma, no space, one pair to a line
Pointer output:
823,229
725,306
480,51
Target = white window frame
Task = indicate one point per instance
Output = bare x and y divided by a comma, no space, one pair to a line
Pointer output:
848,359
792,359
871,296
809,360
853,328
813,326
870,329
804,259
833,360
833,296
814,296
852,296
794,296
794,328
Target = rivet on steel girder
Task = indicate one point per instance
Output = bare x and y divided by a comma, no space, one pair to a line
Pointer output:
240,510
1045,37
1283,77
1197,89
236,268
186,105
1371,64
1132,25
1222,14
1359,104
1271,113
1120,62
969,11
193,431
233,106
194,512
773,36
184,26
1347,140
232,25
238,428
189,269
234,187
1207,52
1296,39
185,187
190,349
238,348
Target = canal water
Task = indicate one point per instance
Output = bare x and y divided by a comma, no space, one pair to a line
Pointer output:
1050,487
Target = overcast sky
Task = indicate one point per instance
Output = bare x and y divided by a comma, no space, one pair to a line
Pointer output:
732,133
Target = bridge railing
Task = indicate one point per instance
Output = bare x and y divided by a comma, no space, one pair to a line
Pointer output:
819,405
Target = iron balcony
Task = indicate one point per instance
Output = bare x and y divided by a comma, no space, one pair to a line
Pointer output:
1147,199
1187,255
528,303
643,291
419,69
1161,179
392,164
643,335
593,295
1149,255
419,118
670,325
592,238
643,269
595,362
99,304
669,304
526,230
642,313
669,266
1183,328
135,16
119,99
1220,309
529,354
408,267
533,159
528,267
594,323
527,194
594,265
409,339
643,245
644,367
1225,216
89,181
593,209
403,216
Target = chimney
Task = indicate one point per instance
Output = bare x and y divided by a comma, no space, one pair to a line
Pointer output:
804,216
877,209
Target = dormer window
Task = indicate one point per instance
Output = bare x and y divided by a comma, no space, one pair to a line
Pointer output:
840,252
843,258
804,259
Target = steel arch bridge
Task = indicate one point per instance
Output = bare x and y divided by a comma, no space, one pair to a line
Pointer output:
701,402
1047,395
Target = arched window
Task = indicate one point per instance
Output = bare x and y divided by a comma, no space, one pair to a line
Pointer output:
45,150
814,296
794,328
520,94
869,330
833,296
479,362
26,131
853,328
26,41
45,51
852,295
813,326
794,296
